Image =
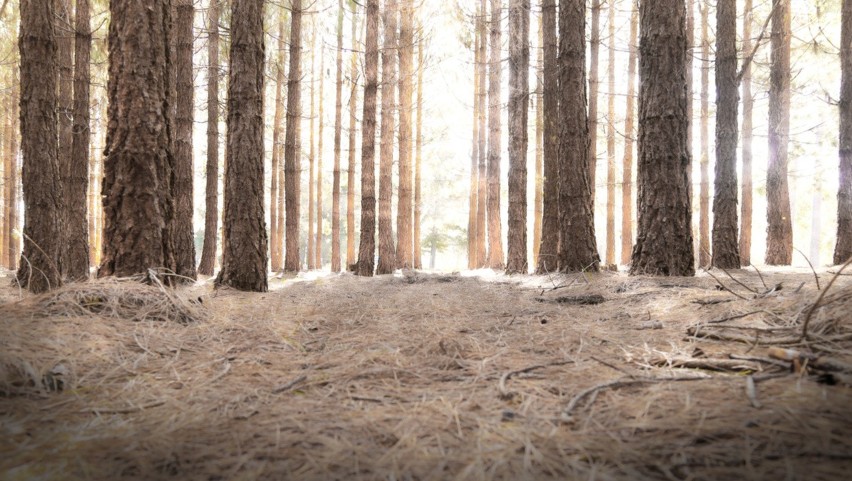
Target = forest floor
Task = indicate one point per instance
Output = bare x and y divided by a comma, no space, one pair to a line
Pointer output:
425,376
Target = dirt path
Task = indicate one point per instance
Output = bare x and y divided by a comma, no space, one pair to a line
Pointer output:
425,377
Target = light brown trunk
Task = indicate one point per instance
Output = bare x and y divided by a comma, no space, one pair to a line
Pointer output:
594,88
704,165
519,63
538,200
291,141
418,156
318,241
353,130
629,142
10,182
277,126
183,233
843,248
404,231
387,252
610,142
548,260
747,136
474,154
481,148
495,229
338,127
211,197
312,155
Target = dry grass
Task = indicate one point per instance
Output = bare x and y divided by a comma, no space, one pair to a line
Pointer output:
418,377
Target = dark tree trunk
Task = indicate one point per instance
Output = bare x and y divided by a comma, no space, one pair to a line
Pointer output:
211,197
353,130
704,162
291,141
779,243
404,206
76,261
275,164
244,261
577,247
843,248
664,241
367,246
184,234
519,63
481,148
338,127
138,165
725,246
747,135
387,253
547,254
495,236
65,119
629,142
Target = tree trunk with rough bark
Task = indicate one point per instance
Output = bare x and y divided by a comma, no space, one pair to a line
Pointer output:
538,199
843,248
594,88
725,245
629,142
610,141
183,232
418,157
320,118
367,246
481,148
353,131
312,154
519,63
664,241
779,243
577,247
291,141
474,154
211,196
277,127
244,263
548,252
139,164
387,252
704,163
338,127
747,136
404,232
495,229
65,120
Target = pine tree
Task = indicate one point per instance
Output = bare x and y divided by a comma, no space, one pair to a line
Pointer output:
211,199
843,248
338,127
610,140
353,131
519,62
495,242
629,142
277,127
387,252
291,141
404,229
747,136
704,162
548,252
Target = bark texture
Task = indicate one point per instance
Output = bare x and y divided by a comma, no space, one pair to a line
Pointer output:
65,120
211,196
629,143
338,127
725,243
481,148
277,127
353,132
39,266
547,254
387,253
704,162
779,243
292,175
244,261
519,63
474,154
76,261
404,233
843,248
594,88
664,240
321,118
577,247
747,136
138,165
418,157
495,236
610,140
367,246
312,155
184,234
538,199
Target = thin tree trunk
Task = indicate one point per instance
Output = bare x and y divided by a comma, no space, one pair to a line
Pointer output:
318,241
211,198
65,119
94,198
291,140
474,153
747,135
690,113
538,199
704,194
610,142
312,154
387,253
629,136
418,157
76,263
244,264
594,88
404,231
10,182
519,66
277,126
338,126
280,208
481,148
578,247
664,240
183,233
725,246
843,248
367,247
495,236
548,252
353,130
779,244
138,165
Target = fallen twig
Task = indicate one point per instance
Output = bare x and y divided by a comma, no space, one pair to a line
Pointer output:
816,277
128,410
501,385
819,299
620,383
289,385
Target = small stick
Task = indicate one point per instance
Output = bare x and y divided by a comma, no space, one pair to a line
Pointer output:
505,377
130,410
816,277
819,299
737,280
289,385
761,277
619,383
724,286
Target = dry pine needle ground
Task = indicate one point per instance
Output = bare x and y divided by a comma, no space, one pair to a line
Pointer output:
425,377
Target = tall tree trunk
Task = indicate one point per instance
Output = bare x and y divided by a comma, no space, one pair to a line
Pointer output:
690,113
9,131
280,208
94,182
404,231
11,181
312,154
321,117
76,261
367,246
779,244
338,127
610,141
594,88
725,246
577,247
418,156
65,118
481,149
747,135
548,252
291,140
495,236
629,136
704,194
211,197
138,165
387,253
244,263
519,67
277,126
353,130
843,248
474,153
538,198
664,241
184,234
